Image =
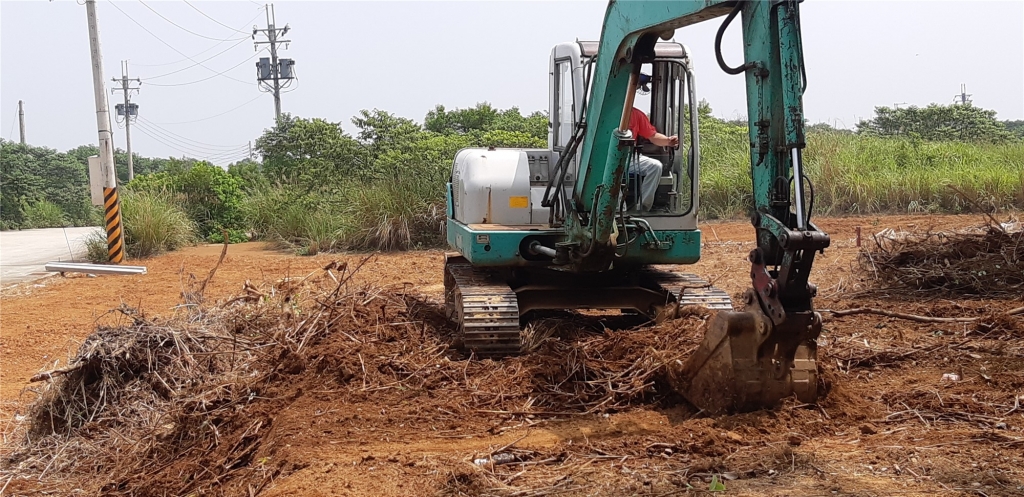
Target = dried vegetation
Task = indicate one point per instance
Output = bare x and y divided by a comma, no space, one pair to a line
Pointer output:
985,261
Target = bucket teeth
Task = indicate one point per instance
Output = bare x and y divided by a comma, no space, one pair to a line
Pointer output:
745,363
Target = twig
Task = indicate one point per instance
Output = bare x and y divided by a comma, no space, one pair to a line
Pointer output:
900,315
46,375
223,253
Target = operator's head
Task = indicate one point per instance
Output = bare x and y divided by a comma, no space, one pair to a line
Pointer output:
643,84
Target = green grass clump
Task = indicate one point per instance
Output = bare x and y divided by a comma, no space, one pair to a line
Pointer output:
44,214
377,215
96,247
153,223
396,215
305,221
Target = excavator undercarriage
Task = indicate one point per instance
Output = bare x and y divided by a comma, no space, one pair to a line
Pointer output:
745,362
487,303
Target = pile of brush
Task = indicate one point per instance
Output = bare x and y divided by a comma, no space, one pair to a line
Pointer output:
984,261
187,404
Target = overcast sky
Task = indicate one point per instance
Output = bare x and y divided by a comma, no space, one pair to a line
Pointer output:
406,57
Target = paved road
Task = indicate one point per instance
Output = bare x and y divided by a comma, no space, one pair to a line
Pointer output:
24,253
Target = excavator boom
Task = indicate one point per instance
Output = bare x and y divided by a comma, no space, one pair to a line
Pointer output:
753,358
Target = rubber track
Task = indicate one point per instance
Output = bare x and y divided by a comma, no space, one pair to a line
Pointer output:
487,312
691,289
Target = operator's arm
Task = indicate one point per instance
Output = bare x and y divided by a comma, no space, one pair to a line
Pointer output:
641,127
664,141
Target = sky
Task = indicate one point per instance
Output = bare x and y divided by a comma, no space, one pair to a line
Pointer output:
407,57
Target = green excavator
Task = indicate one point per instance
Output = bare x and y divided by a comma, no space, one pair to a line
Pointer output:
568,227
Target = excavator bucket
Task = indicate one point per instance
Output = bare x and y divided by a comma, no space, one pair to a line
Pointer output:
746,362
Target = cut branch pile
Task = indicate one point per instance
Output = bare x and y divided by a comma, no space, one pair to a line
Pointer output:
188,405
983,261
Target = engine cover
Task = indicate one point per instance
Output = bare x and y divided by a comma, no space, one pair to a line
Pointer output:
492,186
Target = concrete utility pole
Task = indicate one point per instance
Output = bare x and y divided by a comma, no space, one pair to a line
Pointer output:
271,72
128,110
111,203
21,120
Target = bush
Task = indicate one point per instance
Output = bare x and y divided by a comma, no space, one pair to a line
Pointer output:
285,214
209,195
234,236
154,223
96,247
44,214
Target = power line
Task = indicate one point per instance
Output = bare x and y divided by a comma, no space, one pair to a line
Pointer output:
215,115
10,134
194,65
114,4
181,144
222,73
215,45
214,20
194,153
186,29
187,139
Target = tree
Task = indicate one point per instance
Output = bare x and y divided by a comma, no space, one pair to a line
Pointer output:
30,175
461,121
313,152
826,128
142,165
483,118
1015,127
937,122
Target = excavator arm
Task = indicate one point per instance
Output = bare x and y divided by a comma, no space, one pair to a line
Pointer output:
756,357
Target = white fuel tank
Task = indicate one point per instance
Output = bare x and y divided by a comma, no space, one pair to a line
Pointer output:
492,186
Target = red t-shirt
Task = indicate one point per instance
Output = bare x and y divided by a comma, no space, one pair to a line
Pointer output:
640,125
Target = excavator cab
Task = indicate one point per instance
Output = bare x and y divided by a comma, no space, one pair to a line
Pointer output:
667,95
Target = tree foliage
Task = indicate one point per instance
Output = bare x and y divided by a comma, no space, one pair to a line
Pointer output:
935,122
1015,127
210,195
314,152
485,118
34,175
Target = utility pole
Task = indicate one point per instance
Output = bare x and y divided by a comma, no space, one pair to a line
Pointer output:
270,72
111,203
128,110
21,121
963,96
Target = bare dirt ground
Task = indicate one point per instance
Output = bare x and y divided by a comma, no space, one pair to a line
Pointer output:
889,424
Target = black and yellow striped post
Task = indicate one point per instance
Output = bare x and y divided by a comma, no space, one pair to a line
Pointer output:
112,221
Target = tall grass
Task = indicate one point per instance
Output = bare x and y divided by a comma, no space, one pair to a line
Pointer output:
380,215
395,215
855,174
290,217
153,223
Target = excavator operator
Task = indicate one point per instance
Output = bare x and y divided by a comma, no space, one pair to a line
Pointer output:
647,169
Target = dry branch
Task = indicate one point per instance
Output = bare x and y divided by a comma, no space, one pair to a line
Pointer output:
913,317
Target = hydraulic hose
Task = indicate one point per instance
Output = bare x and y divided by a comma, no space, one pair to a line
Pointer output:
718,44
